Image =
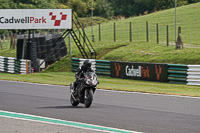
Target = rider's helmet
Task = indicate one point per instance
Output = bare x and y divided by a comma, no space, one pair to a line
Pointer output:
87,64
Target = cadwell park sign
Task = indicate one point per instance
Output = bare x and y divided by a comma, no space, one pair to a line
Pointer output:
35,19
141,71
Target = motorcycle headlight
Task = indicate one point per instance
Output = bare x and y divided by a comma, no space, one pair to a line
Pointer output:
95,81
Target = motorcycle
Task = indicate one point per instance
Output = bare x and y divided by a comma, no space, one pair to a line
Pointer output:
85,90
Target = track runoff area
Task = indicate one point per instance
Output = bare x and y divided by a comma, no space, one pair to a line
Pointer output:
46,120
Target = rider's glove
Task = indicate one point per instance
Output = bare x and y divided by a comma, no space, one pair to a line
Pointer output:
81,79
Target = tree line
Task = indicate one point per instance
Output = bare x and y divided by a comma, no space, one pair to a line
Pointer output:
103,8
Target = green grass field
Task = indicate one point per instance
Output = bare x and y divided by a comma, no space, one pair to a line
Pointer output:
187,19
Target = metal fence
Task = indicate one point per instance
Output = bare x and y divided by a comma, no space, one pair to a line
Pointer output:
154,32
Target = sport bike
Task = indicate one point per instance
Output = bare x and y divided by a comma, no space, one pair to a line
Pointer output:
83,93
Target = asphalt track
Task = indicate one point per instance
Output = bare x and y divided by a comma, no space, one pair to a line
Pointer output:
124,110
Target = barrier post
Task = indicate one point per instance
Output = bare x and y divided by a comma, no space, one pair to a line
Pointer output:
27,67
157,33
99,32
167,28
114,33
147,31
130,33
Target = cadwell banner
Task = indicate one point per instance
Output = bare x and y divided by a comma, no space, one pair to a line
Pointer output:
140,71
35,19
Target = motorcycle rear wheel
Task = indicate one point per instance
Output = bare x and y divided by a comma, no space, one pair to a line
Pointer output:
88,98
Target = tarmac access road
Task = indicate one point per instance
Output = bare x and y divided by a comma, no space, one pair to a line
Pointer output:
150,113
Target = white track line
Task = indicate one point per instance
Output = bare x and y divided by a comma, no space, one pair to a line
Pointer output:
40,119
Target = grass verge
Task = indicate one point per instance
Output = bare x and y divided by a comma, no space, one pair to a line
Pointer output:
149,52
64,78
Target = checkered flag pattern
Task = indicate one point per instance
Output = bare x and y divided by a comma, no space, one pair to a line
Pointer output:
58,21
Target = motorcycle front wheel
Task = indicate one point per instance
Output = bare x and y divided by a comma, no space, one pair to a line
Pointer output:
88,98
73,102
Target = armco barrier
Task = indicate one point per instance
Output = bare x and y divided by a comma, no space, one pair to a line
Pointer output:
12,65
193,73
177,73
102,67
75,64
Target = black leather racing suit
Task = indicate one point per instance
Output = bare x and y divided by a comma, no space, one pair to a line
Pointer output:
79,74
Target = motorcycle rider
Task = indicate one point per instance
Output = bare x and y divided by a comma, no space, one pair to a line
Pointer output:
86,67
